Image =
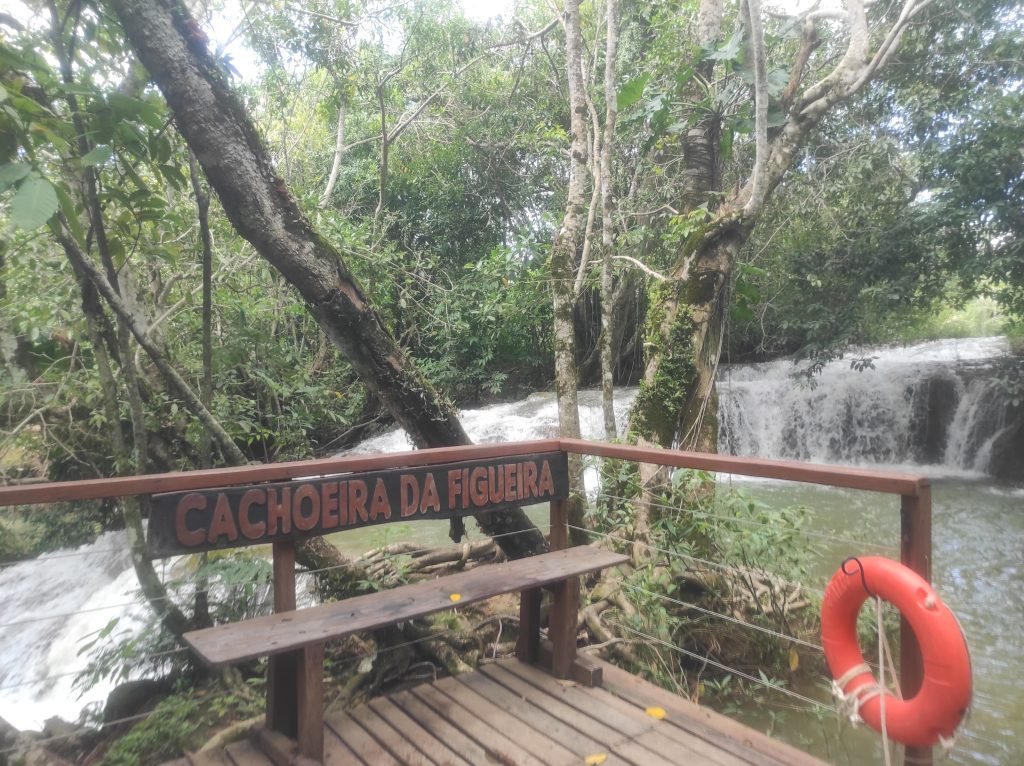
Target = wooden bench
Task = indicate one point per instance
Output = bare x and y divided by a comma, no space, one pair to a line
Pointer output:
294,639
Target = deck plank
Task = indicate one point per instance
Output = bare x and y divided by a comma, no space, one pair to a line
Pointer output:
435,749
337,752
532,715
513,713
498,747
604,736
392,738
720,731
440,727
533,739
360,741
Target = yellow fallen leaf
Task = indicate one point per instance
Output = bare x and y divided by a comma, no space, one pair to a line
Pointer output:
656,712
596,758
794,660
455,597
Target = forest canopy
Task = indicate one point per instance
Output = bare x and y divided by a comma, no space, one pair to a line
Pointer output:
439,157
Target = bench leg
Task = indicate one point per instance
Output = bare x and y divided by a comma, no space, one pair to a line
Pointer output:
562,626
311,703
295,698
528,643
282,691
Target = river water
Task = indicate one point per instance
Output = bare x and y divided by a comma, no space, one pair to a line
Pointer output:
873,417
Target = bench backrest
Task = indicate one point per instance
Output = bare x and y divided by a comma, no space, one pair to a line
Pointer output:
210,519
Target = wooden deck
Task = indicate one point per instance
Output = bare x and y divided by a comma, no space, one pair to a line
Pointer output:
513,714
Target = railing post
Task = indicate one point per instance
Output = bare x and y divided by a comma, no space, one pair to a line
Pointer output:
295,679
916,553
558,534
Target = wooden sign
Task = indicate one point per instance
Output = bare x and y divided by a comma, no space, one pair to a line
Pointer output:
189,522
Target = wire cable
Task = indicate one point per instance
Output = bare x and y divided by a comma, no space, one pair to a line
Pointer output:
809,533
726,668
720,615
677,554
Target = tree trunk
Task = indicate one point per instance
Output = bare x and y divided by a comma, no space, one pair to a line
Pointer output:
339,150
563,269
608,221
260,207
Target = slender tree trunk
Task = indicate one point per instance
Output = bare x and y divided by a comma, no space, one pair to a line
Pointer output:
608,221
563,267
339,150
260,207
201,615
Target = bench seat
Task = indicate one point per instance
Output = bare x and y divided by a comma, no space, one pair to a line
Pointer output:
287,631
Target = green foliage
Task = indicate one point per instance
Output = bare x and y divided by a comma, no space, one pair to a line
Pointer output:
166,734
715,548
906,207
238,585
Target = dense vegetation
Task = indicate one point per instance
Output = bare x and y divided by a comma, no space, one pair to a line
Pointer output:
459,173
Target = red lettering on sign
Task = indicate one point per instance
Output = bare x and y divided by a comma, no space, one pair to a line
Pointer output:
343,502
193,501
329,505
223,523
530,482
279,514
454,487
431,500
306,519
478,486
381,505
495,484
510,482
251,530
465,491
408,495
547,484
357,496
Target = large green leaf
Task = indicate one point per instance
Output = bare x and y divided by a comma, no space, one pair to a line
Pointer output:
631,92
11,173
97,156
34,203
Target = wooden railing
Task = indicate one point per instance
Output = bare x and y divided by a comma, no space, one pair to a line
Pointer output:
914,492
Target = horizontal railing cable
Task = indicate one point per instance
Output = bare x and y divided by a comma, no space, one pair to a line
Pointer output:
754,522
727,669
76,732
55,676
43,557
720,615
688,557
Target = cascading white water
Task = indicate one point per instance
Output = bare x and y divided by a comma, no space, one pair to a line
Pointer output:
48,607
931,403
878,415
535,417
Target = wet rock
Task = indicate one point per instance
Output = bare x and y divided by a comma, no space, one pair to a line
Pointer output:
1007,457
133,697
936,402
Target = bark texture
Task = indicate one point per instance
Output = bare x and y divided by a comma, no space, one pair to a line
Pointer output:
256,200
563,265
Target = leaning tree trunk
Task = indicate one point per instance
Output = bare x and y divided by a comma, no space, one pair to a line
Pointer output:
257,202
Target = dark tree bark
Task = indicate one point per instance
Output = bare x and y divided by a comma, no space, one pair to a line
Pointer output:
256,200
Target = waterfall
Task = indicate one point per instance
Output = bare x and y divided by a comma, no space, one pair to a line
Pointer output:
51,606
933,403
937,403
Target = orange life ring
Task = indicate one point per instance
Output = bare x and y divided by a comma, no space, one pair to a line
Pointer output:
945,694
